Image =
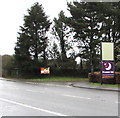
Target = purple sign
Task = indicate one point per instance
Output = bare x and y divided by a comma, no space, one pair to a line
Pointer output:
108,68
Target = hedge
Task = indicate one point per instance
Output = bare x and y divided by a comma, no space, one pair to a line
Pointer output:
96,78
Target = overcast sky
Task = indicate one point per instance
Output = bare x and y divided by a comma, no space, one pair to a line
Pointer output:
11,17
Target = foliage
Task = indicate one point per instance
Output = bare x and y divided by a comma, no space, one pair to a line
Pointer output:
7,65
30,49
85,22
61,31
92,24
89,23
54,52
110,25
97,78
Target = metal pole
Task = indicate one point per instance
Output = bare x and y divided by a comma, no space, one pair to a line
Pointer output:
92,68
101,63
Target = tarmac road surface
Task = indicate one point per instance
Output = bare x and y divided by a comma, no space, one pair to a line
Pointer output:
54,99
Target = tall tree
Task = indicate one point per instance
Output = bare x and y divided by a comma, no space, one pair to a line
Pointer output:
23,58
93,23
54,52
111,24
36,25
61,32
85,22
32,40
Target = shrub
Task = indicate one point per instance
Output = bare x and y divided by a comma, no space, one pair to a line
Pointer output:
97,78
117,76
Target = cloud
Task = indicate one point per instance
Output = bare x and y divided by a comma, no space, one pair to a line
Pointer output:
12,13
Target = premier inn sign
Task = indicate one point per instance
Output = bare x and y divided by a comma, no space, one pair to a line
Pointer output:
108,70
107,51
108,66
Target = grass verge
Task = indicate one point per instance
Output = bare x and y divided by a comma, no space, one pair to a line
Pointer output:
66,79
60,79
105,85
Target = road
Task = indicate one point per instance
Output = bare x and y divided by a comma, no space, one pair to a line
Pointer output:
54,99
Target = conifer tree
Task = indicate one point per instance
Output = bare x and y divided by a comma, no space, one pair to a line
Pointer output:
85,22
31,45
61,33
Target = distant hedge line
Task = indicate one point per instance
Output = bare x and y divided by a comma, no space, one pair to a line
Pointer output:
69,72
96,78
53,72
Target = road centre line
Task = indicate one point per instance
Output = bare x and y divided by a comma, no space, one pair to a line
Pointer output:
31,107
28,82
117,102
69,86
51,85
35,91
77,97
84,98
44,84
12,87
8,85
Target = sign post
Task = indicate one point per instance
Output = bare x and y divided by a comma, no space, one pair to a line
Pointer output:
107,65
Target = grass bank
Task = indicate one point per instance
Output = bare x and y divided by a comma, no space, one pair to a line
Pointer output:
105,85
60,79
66,79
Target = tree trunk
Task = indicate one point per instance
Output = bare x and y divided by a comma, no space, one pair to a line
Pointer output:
64,57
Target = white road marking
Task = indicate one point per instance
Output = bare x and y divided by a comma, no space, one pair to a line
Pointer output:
117,102
76,97
69,86
44,84
30,90
56,85
29,82
32,107
35,91
8,85
13,87
59,85
52,85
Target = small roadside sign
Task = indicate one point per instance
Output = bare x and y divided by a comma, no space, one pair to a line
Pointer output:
107,59
108,70
44,70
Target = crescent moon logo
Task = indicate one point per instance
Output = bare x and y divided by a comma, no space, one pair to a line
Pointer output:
109,66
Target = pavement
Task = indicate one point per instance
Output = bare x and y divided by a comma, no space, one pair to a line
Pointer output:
78,84
87,85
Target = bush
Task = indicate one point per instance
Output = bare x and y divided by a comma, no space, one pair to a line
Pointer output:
65,72
97,78
117,76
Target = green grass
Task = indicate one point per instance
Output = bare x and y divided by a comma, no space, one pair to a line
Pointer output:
105,85
68,79
60,79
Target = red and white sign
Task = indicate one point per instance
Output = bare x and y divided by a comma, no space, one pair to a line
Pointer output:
45,70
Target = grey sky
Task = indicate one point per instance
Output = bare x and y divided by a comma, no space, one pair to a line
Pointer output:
11,17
